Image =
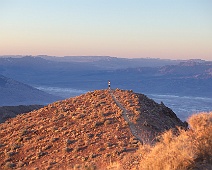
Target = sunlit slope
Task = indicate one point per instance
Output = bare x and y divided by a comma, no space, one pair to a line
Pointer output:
88,130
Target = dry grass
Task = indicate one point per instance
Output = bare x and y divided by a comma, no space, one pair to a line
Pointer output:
188,150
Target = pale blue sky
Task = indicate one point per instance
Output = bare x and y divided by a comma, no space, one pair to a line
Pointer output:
176,29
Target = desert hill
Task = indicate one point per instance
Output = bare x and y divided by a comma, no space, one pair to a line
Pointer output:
92,130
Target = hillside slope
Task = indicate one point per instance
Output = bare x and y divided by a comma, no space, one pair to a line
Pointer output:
7,112
93,130
16,93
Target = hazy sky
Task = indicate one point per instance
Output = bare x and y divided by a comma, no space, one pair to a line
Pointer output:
176,29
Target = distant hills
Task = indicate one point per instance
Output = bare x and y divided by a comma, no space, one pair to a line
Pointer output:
113,63
189,69
189,78
16,93
146,75
102,62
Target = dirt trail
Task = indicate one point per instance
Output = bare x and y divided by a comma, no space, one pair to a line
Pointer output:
126,117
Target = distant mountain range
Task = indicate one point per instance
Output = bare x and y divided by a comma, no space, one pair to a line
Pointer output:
113,63
16,93
101,62
149,76
189,78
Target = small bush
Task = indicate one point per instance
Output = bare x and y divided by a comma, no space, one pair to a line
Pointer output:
96,124
68,141
20,164
107,122
24,132
68,149
41,153
114,165
10,165
47,147
10,153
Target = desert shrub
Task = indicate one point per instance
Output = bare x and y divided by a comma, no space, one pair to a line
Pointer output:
40,154
81,116
98,123
88,166
68,141
10,153
100,149
24,132
15,146
47,147
93,155
67,149
77,149
114,165
108,144
107,122
40,138
60,116
90,135
20,164
182,151
10,165
54,139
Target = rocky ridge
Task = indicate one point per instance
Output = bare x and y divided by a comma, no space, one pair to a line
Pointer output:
91,130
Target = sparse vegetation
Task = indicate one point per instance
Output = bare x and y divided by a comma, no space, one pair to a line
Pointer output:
9,165
90,132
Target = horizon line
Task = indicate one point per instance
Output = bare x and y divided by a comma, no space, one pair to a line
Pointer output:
40,55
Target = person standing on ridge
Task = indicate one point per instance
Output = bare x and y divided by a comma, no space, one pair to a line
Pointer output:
109,84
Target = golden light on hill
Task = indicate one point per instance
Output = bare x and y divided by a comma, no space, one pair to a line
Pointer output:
99,129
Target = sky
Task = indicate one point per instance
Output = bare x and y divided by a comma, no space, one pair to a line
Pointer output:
167,29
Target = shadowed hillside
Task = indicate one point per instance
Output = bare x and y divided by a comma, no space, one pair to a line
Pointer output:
13,93
7,112
91,130
148,118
